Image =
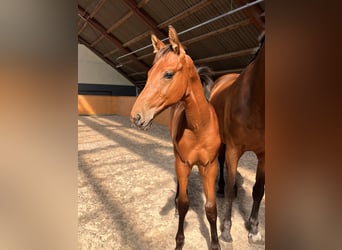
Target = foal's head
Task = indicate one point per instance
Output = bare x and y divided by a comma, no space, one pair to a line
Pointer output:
167,80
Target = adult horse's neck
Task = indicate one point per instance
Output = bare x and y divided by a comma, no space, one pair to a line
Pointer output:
197,110
252,83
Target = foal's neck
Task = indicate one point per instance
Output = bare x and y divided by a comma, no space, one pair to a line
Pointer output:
197,110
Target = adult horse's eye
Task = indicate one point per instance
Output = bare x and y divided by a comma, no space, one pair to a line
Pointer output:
168,75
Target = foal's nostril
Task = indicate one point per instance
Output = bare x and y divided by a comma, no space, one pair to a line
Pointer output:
136,119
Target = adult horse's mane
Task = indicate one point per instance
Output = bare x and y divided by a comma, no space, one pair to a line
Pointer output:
205,74
261,40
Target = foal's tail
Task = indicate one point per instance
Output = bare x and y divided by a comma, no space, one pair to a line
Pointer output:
206,74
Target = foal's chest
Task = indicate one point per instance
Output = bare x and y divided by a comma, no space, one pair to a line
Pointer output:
194,149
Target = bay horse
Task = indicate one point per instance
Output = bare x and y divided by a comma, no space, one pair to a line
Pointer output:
239,102
174,82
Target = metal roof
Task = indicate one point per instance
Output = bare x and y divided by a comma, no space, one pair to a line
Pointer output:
113,29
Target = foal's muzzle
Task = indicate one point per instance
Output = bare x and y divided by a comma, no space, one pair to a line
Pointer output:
140,122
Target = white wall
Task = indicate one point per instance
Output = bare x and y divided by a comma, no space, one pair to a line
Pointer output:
92,69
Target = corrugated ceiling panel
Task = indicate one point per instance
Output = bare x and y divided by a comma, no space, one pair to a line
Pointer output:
130,29
164,9
104,46
231,63
89,34
88,5
111,12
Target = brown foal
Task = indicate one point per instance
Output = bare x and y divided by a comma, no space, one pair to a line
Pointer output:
173,81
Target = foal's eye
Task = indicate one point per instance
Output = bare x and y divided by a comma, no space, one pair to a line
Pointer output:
168,75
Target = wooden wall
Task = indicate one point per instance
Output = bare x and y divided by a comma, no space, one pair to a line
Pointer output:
113,105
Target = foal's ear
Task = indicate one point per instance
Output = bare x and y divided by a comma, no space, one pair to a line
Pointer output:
174,41
157,44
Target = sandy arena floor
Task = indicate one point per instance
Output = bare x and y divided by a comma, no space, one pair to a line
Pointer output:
126,189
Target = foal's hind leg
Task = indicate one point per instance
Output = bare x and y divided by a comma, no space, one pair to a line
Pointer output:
183,172
232,157
258,193
209,174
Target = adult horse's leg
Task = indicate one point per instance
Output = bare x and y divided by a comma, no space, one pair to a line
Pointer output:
209,174
221,159
232,157
183,172
258,193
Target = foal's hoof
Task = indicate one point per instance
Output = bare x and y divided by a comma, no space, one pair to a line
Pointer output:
255,238
179,245
215,246
179,242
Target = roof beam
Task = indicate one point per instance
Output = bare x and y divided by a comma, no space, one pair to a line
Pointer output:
145,17
121,21
227,71
98,6
111,52
172,20
137,38
99,27
239,53
254,12
219,31
210,34
185,13
144,73
97,40
142,3
114,26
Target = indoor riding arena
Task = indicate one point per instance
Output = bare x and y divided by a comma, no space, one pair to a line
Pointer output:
127,181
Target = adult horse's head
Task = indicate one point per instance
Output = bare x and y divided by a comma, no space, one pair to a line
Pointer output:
166,82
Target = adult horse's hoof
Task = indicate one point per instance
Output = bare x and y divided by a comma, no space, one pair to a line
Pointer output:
255,238
225,236
220,193
176,213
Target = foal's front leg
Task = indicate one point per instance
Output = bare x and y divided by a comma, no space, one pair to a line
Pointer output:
209,174
182,201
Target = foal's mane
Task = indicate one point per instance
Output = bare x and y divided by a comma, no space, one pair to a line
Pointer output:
162,52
